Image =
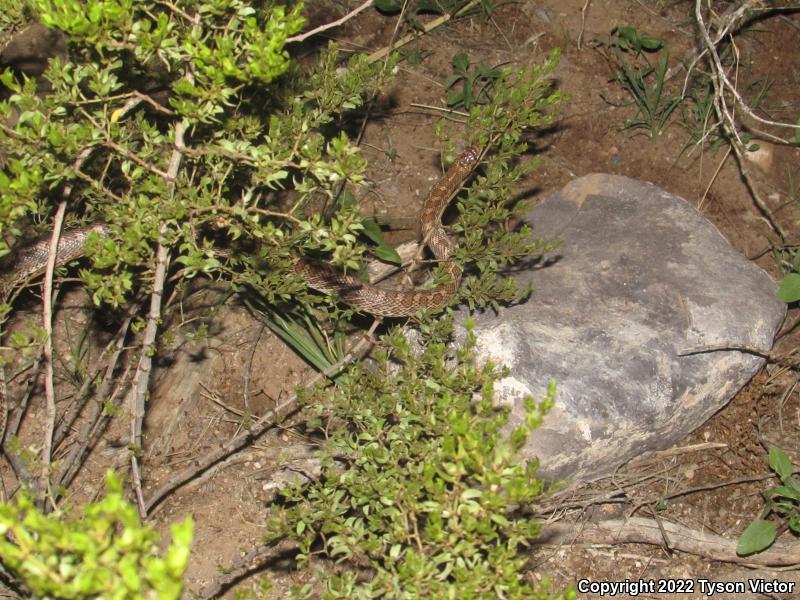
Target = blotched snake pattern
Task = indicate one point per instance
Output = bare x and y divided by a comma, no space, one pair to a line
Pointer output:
32,261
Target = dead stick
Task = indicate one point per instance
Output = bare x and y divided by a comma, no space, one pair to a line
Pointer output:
303,36
639,530
71,465
267,421
47,323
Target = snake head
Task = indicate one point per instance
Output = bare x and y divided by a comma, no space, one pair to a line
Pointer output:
470,157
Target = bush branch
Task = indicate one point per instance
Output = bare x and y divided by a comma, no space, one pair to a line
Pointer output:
304,36
47,323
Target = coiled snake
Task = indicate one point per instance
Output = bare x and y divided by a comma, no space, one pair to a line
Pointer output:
31,262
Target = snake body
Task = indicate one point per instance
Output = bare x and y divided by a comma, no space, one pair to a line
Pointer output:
32,261
397,303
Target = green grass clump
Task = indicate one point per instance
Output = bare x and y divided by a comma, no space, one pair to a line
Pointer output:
642,80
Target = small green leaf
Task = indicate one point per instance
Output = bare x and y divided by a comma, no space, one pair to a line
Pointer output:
452,80
628,34
388,6
651,43
789,290
388,254
470,493
461,62
501,520
372,230
794,523
783,491
488,72
455,99
780,463
758,536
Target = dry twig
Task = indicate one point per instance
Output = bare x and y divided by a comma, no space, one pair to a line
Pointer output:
303,36
639,530
141,379
257,428
47,323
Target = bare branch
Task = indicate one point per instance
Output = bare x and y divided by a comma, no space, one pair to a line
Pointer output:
639,530
141,379
47,323
304,36
257,428
728,26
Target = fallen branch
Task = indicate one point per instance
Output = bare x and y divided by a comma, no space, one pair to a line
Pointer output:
256,429
303,36
638,530
251,562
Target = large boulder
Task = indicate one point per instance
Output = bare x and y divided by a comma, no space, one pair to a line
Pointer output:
640,278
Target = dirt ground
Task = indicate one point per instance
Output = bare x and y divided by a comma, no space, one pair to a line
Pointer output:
203,384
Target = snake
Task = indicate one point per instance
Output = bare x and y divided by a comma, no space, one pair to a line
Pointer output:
31,262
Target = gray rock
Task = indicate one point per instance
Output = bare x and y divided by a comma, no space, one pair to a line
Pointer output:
641,276
30,49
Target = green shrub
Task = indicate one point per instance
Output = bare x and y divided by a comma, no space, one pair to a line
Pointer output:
419,486
105,554
181,124
178,126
